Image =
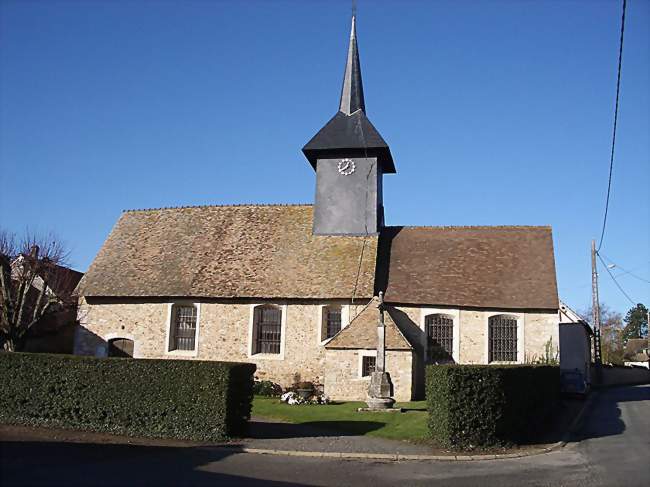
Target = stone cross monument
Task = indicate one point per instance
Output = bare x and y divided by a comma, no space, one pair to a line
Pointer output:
380,388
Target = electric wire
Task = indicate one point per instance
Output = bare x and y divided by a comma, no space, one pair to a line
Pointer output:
611,158
625,271
615,281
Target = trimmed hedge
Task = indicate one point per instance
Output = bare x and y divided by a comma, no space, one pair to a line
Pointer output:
185,399
474,406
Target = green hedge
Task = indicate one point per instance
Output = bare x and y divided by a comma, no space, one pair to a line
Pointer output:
197,400
475,406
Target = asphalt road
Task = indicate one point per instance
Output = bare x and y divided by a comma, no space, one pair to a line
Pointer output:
612,448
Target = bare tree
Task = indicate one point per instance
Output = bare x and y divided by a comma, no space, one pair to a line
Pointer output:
611,333
35,284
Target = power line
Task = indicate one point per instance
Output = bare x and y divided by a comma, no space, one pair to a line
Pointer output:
615,281
625,271
611,158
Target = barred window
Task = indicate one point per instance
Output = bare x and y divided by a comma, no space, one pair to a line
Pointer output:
368,365
502,339
267,329
183,330
331,321
440,336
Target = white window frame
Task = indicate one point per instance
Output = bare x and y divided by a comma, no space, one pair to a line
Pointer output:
170,317
521,348
366,353
283,332
455,314
345,321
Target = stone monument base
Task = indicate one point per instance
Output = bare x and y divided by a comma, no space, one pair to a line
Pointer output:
379,392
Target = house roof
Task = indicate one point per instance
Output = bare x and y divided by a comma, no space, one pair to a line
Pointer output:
229,251
361,333
492,267
636,350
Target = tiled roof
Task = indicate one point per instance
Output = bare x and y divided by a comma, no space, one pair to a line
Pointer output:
491,267
361,333
243,251
636,350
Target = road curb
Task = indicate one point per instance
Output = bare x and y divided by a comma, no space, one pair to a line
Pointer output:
397,457
392,457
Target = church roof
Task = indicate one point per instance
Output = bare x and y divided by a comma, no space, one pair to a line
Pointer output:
361,333
249,251
350,132
257,251
488,267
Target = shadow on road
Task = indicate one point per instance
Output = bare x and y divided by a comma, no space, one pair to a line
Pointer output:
46,463
604,415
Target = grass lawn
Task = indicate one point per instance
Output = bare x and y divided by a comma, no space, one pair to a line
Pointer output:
343,416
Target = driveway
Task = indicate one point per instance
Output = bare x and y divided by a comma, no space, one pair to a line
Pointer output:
611,449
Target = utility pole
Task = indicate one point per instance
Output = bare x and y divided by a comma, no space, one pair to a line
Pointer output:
595,310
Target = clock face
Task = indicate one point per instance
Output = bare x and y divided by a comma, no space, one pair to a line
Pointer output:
346,166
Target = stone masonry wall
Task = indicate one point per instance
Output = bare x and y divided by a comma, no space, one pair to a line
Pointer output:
223,334
539,329
343,381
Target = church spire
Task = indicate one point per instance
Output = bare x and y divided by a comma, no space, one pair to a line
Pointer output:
352,91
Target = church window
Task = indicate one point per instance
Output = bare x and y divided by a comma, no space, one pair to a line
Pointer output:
267,329
183,329
331,321
502,338
368,364
440,336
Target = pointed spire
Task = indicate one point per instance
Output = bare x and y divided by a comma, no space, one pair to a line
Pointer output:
352,91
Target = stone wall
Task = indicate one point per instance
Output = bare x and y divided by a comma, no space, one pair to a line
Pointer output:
342,374
224,331
470,326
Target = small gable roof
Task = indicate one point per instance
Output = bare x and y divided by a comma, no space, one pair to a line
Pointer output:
251,251
361,333
490,267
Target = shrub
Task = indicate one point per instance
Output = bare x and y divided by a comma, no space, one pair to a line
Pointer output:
267,388
472,406
196,400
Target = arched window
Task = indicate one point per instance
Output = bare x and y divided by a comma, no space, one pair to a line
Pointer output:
183,328
440,336
120,347
267,329
502,339
331,321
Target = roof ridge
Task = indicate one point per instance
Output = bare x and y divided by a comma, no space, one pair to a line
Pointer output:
235,205
458,227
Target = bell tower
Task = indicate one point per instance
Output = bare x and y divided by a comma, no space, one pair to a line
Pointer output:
350,159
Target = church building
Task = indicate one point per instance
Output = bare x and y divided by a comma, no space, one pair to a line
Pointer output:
294,288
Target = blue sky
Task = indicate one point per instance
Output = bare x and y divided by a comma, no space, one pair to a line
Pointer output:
497,113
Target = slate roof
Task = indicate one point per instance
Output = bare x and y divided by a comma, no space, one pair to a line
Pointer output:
487,267
349,136
252,251
361,333
349,133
